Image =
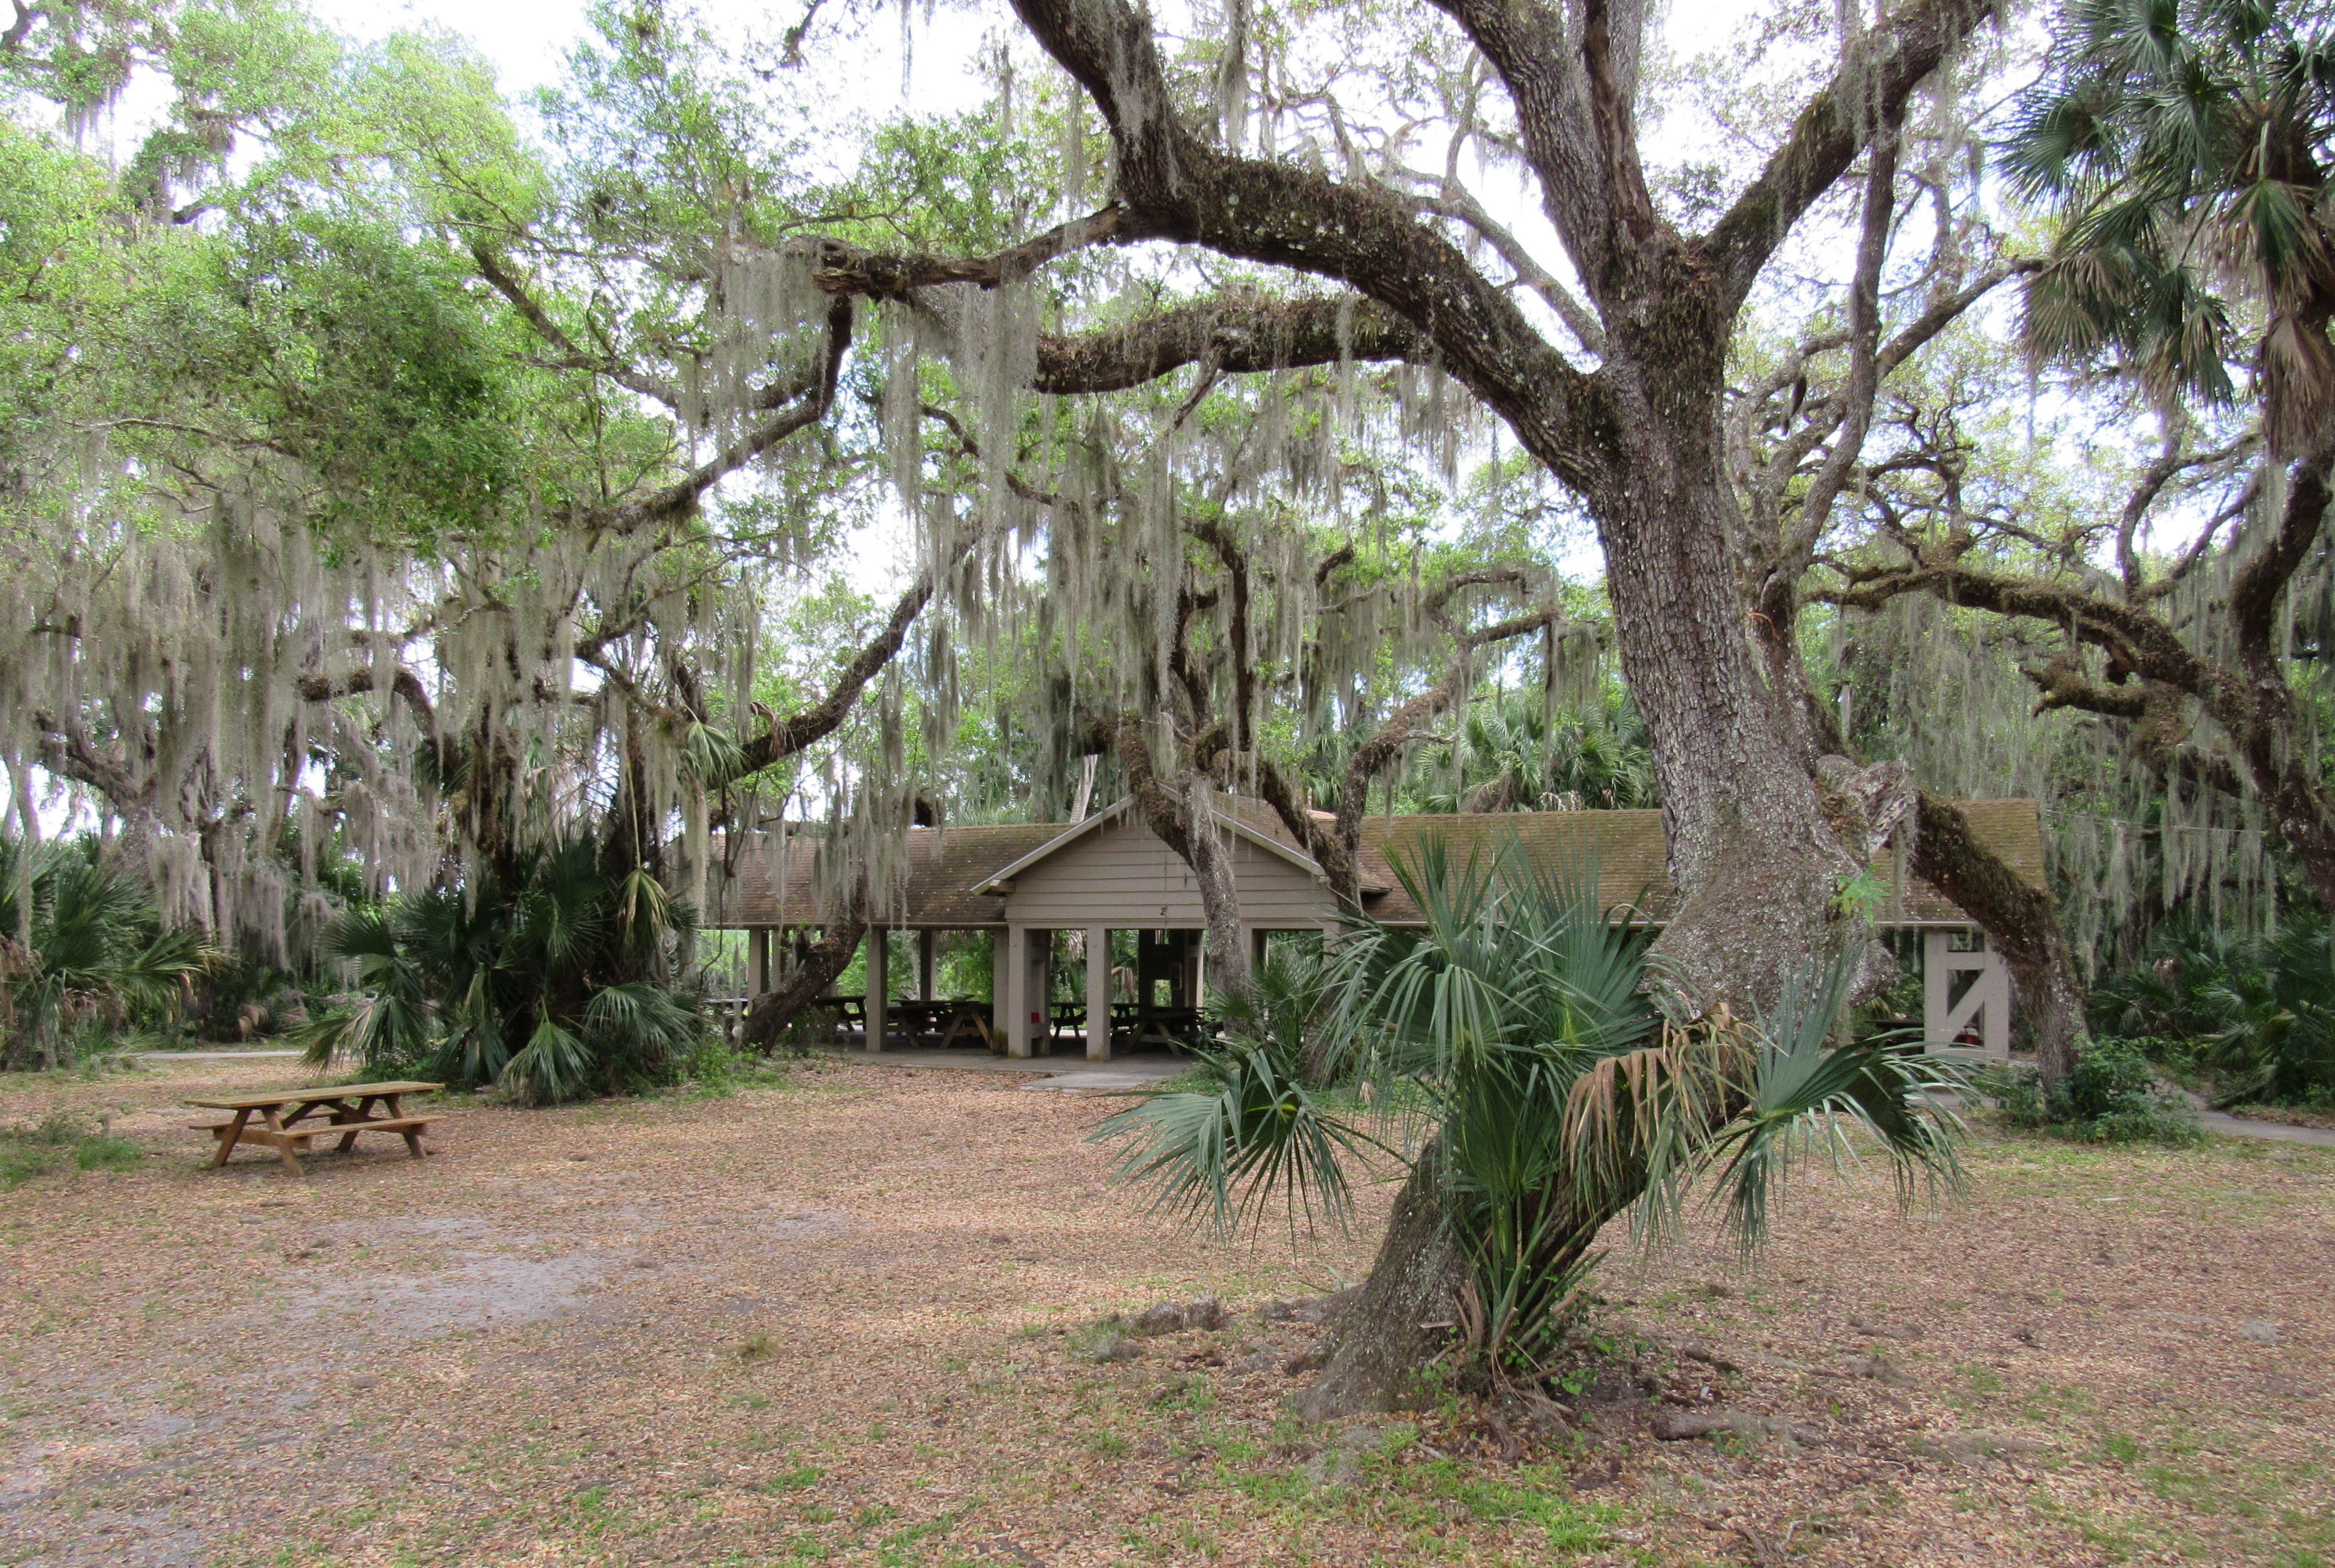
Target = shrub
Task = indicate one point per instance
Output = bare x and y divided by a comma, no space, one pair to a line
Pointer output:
571,980
2112,1095
93,958
2258,1014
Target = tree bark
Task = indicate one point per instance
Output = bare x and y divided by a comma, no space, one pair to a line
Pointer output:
2019,920
829,957
1401,1318
1211,868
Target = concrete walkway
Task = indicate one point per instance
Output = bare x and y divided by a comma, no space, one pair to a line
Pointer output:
2220,1123
152,1057
1065,1074
2277,1131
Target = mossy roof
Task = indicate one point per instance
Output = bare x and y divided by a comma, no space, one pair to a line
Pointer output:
943,867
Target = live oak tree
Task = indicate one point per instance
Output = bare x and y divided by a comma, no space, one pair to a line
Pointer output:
1621,399
324,504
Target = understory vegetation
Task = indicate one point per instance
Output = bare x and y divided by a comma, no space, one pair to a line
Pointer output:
2249,1019
570,978
87,967
2114,1094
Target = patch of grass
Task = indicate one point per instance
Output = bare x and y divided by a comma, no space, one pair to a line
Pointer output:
1436,1498
796,1479
1101,1342
26,1152
1194,1395
899,1549
106,1152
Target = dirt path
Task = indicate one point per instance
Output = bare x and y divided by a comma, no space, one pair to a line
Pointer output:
819,1322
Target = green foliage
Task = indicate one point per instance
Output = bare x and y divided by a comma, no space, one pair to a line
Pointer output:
2112,1095
2257,1014
1519,752
2174,140
83,954
566,982
1251,1129
1559,1098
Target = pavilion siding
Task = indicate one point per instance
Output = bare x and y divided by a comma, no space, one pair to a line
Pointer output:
1122,876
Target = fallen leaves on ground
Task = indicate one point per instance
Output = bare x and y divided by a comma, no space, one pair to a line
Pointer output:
858,1314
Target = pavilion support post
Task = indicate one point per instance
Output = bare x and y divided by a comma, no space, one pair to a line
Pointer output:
1013,972
879,943
926,975
1097,993
1256,948
1040,983
757,962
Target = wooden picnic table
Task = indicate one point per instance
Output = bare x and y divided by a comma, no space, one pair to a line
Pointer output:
349,1110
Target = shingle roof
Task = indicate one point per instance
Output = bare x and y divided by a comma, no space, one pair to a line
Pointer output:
1631,855
944,865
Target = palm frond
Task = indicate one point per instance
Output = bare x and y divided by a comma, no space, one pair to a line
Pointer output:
1803,1093
552,1066
1222,1152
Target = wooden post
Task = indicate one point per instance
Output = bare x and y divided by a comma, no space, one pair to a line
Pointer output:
1257,949
1012,973
926,976
879,943
757,962
1986,1002
1097,993
1041,985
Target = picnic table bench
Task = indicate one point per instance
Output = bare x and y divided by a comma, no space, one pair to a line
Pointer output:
349,1110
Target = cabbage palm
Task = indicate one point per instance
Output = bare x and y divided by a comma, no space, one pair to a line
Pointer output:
1553,1096
2184,142
1514,754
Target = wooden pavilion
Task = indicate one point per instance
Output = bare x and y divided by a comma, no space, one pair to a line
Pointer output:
1021,883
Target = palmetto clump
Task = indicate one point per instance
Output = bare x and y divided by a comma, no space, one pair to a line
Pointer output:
1514,1039
571,980
80,943
1519,753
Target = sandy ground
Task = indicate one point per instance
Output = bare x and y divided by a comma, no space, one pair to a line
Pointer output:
834,1319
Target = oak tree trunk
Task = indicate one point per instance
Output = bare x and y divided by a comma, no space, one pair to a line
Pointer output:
1751,848
2019,920
1400,1319
830,956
